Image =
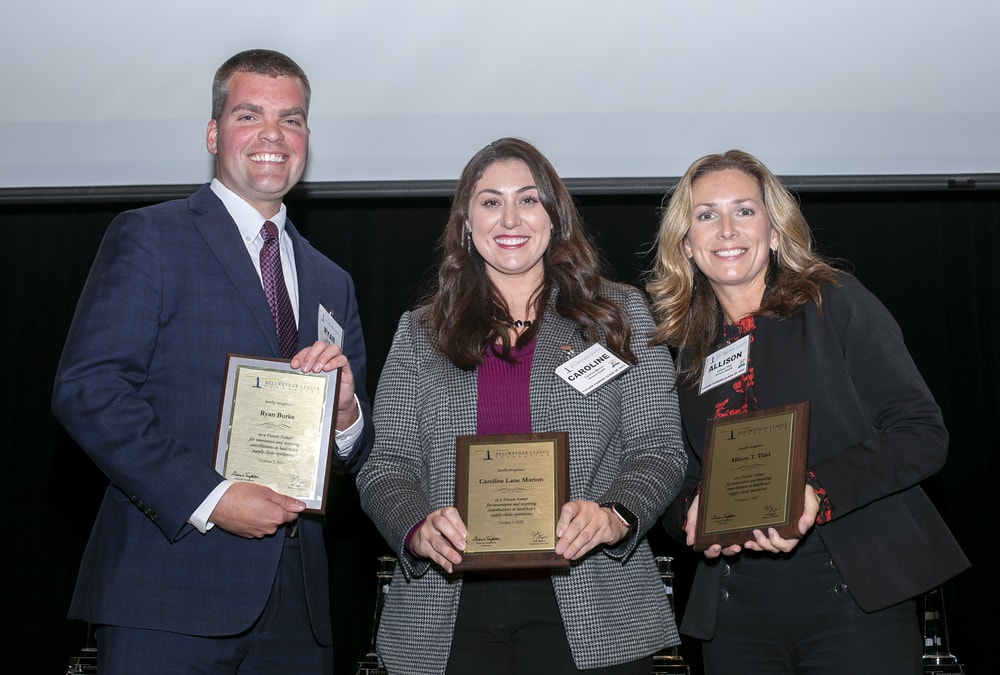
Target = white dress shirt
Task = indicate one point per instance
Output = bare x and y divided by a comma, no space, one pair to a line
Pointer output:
250,221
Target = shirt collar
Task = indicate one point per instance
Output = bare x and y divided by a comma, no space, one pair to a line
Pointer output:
248,219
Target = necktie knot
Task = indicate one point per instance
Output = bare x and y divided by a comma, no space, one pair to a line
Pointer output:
269,231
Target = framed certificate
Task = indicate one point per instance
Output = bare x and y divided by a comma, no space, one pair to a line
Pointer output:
753,475
509,490
276,428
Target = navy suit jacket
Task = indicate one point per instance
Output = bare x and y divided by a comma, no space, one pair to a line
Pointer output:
171,292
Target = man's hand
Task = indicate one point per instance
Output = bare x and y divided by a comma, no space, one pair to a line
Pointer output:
254,511
324,357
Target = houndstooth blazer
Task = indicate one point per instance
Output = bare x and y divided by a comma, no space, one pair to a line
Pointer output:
625,446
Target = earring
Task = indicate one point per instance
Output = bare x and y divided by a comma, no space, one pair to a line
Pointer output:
467,235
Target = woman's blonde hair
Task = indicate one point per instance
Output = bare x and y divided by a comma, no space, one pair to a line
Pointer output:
686,308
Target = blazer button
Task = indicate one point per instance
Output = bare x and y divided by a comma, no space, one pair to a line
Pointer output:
726,569
724,595
841,587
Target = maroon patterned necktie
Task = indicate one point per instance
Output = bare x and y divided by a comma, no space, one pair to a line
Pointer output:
276,291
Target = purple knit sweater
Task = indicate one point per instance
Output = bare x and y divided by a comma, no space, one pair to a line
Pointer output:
504,406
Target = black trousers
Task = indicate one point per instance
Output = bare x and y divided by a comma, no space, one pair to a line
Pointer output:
795,614
513,627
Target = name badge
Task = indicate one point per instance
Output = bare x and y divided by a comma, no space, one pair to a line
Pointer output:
591,368
329,330
726,364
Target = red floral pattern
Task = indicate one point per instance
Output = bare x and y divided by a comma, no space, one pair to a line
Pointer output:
825,514
742,385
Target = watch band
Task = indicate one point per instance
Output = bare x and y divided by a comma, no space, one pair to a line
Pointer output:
627,518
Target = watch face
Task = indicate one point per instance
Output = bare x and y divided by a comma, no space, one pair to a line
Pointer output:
627,517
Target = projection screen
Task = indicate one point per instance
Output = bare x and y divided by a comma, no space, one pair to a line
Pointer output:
116,92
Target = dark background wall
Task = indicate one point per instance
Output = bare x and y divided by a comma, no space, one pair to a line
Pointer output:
932,257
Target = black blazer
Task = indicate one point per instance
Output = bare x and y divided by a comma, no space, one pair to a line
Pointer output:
875,433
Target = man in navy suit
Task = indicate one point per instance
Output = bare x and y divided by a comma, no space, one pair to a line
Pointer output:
186,572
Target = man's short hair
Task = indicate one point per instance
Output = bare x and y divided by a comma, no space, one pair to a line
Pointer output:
257,61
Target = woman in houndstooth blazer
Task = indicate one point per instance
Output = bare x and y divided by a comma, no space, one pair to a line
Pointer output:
519,288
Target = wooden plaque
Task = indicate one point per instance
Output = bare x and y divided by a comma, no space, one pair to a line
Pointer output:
753,475
276,428
509,490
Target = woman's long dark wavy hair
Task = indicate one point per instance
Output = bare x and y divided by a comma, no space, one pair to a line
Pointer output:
467,313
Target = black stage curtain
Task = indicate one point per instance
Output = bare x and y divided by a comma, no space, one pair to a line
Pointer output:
931,257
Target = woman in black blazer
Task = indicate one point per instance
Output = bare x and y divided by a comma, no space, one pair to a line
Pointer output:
735,261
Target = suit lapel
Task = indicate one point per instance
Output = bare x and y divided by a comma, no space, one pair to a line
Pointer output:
223,237
309,293
554,334
459,389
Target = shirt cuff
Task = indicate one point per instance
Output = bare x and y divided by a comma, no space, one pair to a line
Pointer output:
825,514
409,537
345,439
199,519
